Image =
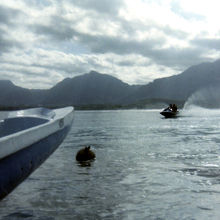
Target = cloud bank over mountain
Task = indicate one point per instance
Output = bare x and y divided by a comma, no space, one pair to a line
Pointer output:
45,41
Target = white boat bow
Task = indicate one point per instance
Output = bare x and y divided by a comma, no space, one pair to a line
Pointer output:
27,139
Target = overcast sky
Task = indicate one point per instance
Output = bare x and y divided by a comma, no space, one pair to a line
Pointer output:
137,41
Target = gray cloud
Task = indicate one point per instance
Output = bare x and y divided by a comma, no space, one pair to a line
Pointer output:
38,4
97,43
7,15
6,43
105,6
171,56
132,27
120,46
211,43
59,32
131,62
179,34
7,18
125,63
179,57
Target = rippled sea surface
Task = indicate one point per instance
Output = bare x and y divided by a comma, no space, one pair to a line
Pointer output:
146,167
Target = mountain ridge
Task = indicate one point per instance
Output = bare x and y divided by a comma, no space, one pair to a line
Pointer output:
94,88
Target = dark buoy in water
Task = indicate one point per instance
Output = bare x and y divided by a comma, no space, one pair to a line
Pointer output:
85,154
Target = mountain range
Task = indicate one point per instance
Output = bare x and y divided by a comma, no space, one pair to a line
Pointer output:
95,88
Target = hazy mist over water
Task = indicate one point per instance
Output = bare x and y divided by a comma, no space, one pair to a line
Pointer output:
146,167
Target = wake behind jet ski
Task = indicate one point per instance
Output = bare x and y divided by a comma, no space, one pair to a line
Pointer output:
170,112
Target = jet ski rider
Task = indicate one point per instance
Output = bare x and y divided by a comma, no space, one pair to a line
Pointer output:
172,107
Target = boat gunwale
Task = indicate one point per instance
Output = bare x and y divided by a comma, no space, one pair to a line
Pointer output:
14,142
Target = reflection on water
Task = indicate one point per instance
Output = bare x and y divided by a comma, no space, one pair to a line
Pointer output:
3,115
145,168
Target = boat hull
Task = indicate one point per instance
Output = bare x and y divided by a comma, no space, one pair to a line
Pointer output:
17,166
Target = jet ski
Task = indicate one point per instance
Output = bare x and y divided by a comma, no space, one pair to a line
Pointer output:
170,112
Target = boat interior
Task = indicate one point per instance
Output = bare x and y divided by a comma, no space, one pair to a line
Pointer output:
12,125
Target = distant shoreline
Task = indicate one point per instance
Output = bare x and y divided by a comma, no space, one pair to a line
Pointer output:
97,106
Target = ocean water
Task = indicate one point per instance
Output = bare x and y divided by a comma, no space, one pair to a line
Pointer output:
146,167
